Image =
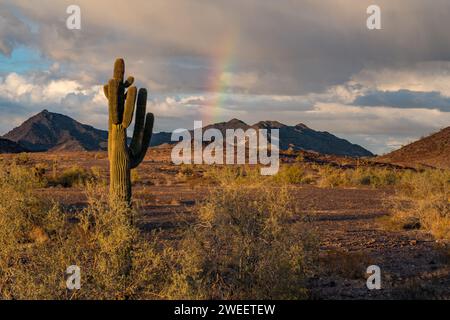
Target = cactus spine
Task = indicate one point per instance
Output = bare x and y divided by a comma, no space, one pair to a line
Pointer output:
123,158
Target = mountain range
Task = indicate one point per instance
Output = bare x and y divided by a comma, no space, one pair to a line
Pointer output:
300,137
48,131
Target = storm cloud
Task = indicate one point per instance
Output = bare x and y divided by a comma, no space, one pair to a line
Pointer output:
292,61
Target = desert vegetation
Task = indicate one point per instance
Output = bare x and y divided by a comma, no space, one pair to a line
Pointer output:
423,201
421,196
244,245
39,241
236,234
241,246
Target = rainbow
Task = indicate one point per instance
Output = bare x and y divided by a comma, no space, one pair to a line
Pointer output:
217,88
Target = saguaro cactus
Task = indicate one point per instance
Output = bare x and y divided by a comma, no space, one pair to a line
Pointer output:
123,158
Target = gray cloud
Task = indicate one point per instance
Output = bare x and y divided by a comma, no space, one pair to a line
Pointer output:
293,61
292,47
13,31
405,99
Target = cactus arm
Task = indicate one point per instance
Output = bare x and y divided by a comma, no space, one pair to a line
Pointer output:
114,96
138,132
128,82
129,107
119,70
147,136
105,91
148,131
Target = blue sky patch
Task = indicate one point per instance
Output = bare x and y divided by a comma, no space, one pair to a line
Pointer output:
23,60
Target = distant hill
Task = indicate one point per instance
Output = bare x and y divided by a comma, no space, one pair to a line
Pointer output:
48,131
433,150
8,146
300,137
53,131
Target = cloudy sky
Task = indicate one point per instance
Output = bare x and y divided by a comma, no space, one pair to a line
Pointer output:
305,61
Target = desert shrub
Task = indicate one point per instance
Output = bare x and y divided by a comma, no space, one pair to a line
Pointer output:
423,200
219,175
300,158
73,177
331,177
21,214
187,173
21,158
96,172
293,174
39,170
18,177
244,246
186,170
38,243
374,177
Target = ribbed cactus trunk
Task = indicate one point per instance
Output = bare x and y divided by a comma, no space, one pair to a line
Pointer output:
119,168
123,158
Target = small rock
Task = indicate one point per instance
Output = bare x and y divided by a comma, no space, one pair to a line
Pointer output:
413,242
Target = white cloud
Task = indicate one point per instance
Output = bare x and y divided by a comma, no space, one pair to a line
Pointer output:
24,95
378,120
31,89
57,89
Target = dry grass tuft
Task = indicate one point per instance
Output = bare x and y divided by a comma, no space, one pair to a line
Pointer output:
423,200
331,177
294,174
